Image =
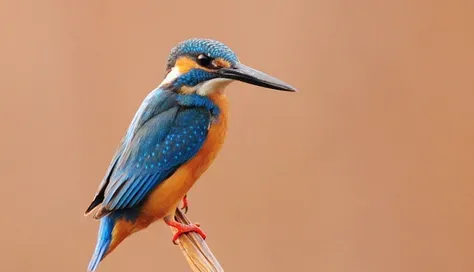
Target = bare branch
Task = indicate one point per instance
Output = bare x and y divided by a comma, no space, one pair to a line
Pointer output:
195,249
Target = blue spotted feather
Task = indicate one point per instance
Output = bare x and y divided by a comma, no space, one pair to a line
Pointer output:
167,131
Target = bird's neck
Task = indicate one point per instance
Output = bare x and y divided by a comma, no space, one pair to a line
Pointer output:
209,94
195,100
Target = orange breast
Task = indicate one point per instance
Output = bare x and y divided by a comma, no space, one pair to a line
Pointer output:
166,197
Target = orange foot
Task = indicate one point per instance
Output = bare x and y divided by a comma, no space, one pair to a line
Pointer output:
182,229
185,204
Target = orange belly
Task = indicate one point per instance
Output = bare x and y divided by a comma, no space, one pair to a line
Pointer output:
167,196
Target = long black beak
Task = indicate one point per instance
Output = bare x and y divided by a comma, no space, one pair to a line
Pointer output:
246,74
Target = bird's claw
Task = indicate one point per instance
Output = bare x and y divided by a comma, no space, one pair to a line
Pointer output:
182,229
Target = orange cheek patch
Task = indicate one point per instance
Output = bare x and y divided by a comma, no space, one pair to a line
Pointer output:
185,64
221,63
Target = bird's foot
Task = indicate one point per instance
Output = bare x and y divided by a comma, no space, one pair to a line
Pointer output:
185,204
182,229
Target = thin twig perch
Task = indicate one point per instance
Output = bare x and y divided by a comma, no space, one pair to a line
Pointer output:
195,249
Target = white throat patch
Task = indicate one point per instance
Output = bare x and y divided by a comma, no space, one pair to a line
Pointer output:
210,86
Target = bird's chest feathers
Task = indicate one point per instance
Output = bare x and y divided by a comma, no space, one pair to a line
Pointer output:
215,137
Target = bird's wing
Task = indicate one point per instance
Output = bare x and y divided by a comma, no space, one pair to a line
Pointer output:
161,138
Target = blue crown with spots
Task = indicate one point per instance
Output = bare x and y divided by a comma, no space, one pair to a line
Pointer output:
194,47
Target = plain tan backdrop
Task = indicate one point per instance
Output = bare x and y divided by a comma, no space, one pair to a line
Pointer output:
370,167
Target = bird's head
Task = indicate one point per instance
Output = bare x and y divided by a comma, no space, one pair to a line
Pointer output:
203,66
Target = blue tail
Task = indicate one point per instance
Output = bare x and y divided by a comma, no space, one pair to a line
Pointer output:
103,242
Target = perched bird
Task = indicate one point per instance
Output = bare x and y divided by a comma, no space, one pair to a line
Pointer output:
173,138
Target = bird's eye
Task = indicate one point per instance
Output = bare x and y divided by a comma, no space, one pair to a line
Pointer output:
205,61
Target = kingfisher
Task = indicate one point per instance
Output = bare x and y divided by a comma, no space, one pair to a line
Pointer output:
173,138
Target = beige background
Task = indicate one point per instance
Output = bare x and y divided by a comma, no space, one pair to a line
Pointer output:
368,168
